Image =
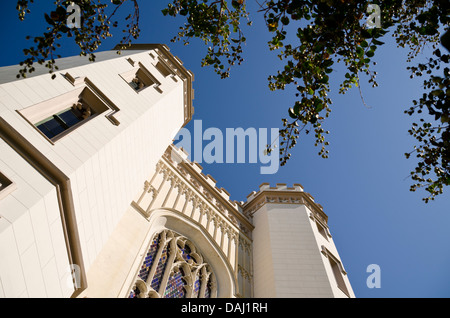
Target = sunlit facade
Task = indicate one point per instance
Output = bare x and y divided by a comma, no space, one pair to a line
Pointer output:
96,202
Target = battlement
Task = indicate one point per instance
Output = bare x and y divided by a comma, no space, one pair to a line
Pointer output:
282,187
297,187
181,158
280,193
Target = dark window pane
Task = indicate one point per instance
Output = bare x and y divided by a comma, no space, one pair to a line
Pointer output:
69,118
56,124
51,128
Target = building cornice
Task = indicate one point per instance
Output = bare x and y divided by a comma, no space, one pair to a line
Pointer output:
282,195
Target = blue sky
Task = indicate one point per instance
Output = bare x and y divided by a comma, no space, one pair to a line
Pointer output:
363,185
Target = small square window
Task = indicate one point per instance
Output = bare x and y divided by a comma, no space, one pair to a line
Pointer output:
337,272
137,83
337,269
322,230
140,78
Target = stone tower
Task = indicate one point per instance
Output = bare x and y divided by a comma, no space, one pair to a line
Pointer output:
293,251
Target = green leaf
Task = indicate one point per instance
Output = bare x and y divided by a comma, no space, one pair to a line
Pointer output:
366,33
318,47
61,12
292,114
297,108
235,4
48,19
319,107
328,63
359,52
377,42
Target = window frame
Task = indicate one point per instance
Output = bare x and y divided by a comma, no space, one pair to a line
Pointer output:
143,74
338,271
7,186
62,122
85,92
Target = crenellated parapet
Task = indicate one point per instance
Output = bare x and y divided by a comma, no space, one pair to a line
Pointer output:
281,193
179,185
206,185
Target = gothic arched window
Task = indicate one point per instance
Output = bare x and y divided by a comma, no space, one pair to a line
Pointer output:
173,268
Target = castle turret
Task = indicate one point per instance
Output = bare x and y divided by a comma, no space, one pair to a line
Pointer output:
293,251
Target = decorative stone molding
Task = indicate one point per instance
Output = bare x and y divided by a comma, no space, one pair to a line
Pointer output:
244,273
246,245
205,187
217,221
283,195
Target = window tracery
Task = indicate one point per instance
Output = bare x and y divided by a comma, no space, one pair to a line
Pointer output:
173,268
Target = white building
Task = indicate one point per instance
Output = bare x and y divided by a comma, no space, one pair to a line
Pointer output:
96,202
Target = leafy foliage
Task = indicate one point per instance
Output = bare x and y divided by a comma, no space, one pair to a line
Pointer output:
327,32
330,32
433,137
216,23
95,26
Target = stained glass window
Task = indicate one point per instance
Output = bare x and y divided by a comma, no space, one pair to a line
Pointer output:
134,292
148,261
197,284
156,281
186,251
170,262
175,286
208,289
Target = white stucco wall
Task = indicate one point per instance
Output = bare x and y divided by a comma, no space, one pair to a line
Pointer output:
105,164
287,258
33,255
